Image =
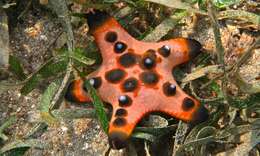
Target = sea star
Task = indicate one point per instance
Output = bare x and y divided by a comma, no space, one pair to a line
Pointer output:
136,78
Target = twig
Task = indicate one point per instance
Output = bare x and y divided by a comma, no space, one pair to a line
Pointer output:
35,129
219,48
25,10
241,15
146,148
123,12
196,142
8,5
246,55
202,72
163,28
4,40
178,4
60,7
211,81
107,151
233,72
218,44
179,137
54,103
201,99
244,86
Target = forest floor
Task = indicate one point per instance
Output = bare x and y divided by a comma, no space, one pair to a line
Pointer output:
39,34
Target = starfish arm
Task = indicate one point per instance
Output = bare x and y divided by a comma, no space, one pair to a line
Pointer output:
122,124
194,115
185,107
76,92
183,50
110,37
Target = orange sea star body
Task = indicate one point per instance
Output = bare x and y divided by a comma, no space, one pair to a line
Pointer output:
136,78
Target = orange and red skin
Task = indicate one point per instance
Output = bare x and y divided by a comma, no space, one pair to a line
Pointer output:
146,98
79,93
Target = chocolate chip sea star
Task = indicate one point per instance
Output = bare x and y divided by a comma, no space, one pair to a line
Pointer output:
135,77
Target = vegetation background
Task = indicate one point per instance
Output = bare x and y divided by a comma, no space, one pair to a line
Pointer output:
44,44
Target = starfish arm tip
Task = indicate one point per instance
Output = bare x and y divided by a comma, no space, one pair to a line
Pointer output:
118,140
201,115
194,48
96,19
76,92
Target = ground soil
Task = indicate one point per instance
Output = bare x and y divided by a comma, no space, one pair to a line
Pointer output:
33,41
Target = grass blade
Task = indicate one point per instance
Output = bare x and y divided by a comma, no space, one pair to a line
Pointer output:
49,69
98,105
30,84
177,4
144,136
225,3
167,25
11,120
22,144
45,102
16,67
79,56
156,131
